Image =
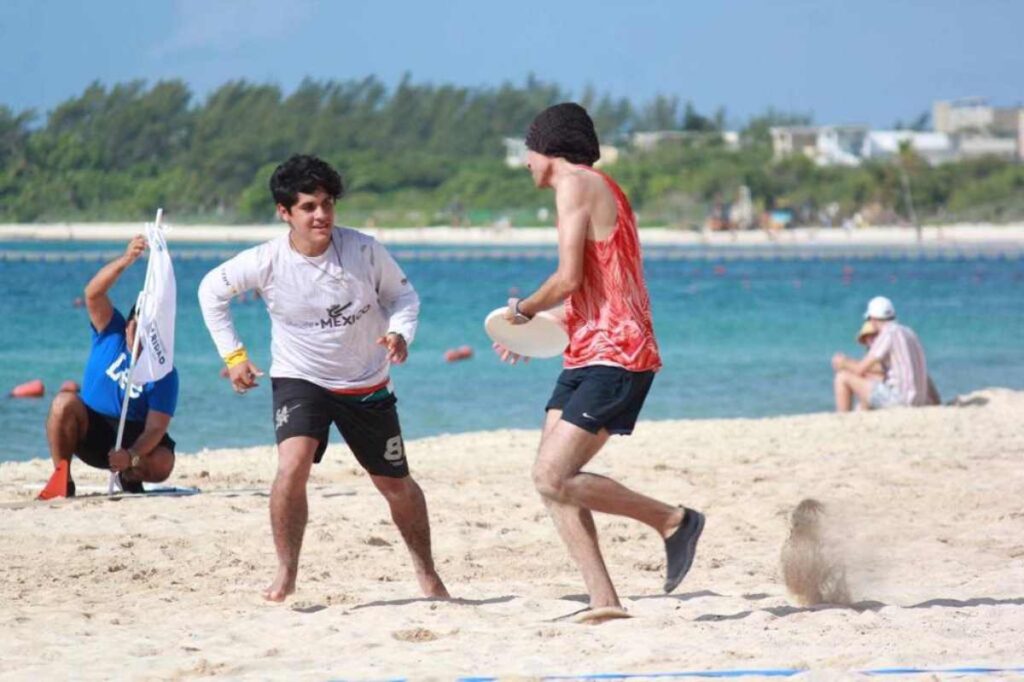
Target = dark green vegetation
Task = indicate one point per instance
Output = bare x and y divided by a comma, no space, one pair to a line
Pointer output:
423,154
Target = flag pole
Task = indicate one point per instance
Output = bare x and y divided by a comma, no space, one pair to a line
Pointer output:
112,483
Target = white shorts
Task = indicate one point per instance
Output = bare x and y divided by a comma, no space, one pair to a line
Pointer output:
883,395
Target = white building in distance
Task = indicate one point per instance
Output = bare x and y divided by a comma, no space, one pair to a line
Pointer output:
825,145
935,148
649,140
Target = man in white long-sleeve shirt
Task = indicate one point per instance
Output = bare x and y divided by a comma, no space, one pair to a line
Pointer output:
341,312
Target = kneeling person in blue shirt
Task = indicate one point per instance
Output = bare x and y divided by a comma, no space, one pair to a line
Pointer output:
86,425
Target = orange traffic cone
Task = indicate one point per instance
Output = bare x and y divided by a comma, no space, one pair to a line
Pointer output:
58,484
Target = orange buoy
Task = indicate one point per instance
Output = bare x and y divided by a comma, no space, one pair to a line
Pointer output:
78,302
456,354
69,386
29,389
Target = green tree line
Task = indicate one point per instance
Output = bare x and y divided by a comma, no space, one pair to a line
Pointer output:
422,154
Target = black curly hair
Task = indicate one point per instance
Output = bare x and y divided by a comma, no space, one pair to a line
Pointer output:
306,174
565,130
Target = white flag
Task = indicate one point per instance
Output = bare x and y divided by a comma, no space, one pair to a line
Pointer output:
155,311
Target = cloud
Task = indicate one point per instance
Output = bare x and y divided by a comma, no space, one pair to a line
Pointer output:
222,26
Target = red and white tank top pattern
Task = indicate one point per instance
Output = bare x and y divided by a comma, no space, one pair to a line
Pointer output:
609,317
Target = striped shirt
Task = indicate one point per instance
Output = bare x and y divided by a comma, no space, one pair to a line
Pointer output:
902,357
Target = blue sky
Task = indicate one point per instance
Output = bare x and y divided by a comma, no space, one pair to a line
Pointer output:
845,62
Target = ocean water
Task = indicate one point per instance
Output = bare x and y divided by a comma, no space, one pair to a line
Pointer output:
747,334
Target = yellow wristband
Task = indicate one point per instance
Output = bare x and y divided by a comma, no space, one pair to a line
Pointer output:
236,357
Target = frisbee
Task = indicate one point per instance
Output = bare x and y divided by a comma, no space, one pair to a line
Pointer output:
542,337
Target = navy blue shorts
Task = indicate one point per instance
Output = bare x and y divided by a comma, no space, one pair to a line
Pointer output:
601,397
369,424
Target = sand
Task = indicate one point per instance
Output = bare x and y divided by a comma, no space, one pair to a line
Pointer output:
949,236
929,501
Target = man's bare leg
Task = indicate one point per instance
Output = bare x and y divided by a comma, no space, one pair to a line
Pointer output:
289,511
846,385
409,512
66,425
571,495
593,491
575,525
156,467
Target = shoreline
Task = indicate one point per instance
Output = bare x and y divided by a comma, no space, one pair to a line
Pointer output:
169,587
949,236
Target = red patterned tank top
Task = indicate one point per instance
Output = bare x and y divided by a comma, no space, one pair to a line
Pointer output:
609,317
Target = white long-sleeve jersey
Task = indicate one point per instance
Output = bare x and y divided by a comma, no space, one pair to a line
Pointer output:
326,312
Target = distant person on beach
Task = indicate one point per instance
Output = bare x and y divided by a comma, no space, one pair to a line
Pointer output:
341,312
86,425
611,359
865,337
893,373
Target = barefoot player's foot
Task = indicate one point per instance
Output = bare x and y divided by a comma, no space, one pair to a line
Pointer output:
432,586
600,614
283,585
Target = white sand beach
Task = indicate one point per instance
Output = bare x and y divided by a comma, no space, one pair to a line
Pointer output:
927,502
1010,236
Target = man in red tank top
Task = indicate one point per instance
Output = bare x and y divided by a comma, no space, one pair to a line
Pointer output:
612,354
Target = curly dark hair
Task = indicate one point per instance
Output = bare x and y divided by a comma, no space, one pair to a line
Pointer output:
565,130
306,174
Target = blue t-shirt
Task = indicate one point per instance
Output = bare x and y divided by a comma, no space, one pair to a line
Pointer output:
106,375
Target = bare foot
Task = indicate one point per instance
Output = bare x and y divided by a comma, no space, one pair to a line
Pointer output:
432,586
600,614
283,585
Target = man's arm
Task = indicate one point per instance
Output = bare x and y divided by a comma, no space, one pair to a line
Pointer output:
864,365
96,300
156,426
399,300
573,224
859,367
880,349
218,287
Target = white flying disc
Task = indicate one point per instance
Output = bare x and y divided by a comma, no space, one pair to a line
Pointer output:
542,337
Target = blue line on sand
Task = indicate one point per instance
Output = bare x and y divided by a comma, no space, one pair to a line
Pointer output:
769,672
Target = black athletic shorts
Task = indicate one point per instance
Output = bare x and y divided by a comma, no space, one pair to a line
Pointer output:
101,436
601,397
369,424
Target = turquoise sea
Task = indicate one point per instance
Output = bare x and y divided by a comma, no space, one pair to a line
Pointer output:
743,332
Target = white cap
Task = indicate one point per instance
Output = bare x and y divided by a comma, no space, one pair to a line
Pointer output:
880,308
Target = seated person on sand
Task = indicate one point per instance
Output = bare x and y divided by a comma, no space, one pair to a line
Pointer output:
87,426
897,351
865,337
